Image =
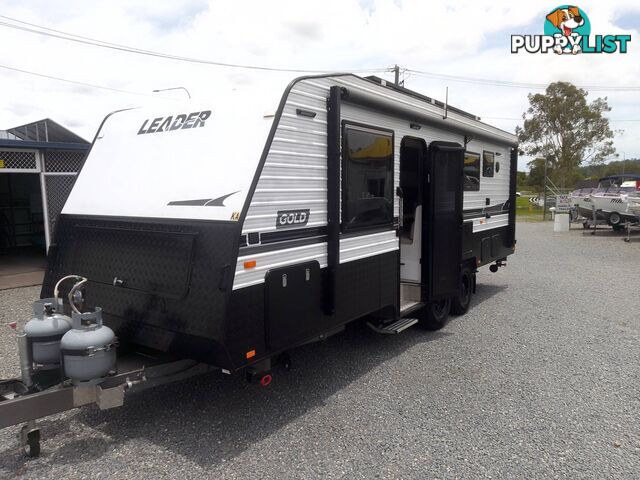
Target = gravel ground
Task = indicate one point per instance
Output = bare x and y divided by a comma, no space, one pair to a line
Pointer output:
540,380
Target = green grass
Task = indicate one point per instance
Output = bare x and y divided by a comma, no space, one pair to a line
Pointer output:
527,211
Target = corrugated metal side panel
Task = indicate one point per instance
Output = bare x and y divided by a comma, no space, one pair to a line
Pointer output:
495,188
351,248
274,259
495,221
295,175
362,246
295,171
419,106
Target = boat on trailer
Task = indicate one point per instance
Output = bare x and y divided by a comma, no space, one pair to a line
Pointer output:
609,200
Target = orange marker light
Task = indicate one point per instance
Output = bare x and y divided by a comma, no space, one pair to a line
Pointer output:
251,353
250,264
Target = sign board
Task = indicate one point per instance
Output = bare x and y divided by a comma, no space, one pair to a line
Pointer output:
1,163
563,203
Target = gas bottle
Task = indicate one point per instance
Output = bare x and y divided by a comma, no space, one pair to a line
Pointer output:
88,349
45,331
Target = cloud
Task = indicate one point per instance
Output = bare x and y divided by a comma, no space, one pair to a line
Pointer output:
304,30
469,38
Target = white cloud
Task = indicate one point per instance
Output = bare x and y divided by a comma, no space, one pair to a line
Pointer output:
463,38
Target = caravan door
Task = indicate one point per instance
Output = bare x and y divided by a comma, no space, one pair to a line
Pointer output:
442,228
412,157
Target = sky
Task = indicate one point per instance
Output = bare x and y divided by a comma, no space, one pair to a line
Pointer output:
463,38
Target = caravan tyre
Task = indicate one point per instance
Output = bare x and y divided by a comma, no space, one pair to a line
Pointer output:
435,315
460,303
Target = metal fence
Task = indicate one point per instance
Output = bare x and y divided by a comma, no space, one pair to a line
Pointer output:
19,160
57,170
57,179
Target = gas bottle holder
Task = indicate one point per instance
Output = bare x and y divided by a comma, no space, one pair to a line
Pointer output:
91,351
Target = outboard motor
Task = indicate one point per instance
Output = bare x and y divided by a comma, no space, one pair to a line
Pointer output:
45,330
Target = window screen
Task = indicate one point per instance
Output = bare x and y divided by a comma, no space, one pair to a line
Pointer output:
488,164
367,178
471,172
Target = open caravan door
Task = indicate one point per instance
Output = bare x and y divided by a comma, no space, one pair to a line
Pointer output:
442,227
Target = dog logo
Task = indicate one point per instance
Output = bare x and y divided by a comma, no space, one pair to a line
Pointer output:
566,19
563,22
567,30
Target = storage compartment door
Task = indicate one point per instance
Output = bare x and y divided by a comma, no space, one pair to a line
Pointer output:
293,299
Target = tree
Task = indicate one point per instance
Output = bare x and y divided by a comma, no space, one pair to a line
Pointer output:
563,127
521,180
536,173
628,166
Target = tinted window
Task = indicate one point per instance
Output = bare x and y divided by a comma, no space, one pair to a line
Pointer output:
367,178
488,164
471,171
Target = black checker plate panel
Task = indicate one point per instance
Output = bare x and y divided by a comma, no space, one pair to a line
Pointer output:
155,319
131,254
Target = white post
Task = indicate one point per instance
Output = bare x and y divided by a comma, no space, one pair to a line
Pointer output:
45,207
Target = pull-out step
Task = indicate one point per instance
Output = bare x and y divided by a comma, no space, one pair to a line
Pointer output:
395,327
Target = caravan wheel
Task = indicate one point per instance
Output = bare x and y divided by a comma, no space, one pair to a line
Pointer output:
460,304
435,315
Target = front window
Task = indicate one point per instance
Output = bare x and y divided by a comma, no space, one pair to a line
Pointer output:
367,177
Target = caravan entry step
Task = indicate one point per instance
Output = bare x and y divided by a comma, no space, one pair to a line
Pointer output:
395,327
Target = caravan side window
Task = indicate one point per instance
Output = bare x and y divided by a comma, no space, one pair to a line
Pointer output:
488,163
471,172
367,177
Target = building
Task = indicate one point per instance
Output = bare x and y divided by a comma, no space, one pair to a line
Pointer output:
38,165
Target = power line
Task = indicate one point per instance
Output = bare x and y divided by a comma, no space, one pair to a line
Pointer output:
50,32
505,83
84,84
520,118
59,34
129,92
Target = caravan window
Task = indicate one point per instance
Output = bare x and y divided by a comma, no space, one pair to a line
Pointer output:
471,172
488,164
367,177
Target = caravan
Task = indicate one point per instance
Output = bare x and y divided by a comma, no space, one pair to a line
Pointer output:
228,236
242,236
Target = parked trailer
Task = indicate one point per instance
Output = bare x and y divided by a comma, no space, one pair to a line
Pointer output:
224,237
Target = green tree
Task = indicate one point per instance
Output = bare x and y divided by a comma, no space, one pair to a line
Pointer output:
536,173
521,180
563,127
628,166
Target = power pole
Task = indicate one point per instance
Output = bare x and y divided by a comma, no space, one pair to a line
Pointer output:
544,192
396,70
